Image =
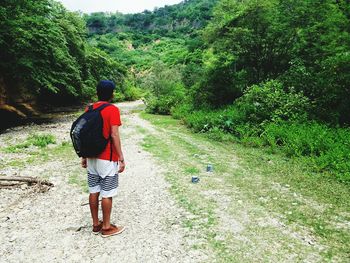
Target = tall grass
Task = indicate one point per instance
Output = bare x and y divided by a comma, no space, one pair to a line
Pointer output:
326,148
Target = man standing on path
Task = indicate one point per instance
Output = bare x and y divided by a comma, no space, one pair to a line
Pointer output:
103,170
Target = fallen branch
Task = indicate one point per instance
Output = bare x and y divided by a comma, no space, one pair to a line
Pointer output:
25,179
4,185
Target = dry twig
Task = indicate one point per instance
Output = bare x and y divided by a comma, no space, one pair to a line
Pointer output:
22,179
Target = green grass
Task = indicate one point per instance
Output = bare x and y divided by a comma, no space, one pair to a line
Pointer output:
160,120
325,148
141,130
33,150
39,154
77,178
268,184
64,151
38,140
42,140
191,170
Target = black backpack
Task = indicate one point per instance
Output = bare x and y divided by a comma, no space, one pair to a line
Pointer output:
87,133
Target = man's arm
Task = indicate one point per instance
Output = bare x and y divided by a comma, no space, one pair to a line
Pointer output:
83,162
118,146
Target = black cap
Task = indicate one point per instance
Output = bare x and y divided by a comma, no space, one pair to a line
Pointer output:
105,85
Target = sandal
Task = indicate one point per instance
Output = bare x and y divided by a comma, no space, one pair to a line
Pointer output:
97,229
112,231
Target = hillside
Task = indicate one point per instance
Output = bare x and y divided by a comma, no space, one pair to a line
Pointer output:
185,17
170,35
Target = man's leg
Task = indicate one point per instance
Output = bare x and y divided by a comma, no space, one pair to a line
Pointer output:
109,185
93,201
106,211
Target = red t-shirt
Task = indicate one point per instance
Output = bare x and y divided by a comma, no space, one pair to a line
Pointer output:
111,117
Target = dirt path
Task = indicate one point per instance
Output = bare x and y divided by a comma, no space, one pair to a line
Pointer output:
251,208
54,227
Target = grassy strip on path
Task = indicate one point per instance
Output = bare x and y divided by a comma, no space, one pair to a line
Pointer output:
38,151
256,205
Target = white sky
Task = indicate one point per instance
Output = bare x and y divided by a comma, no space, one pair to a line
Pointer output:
124,6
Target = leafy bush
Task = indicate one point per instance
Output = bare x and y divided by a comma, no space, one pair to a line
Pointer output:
270,102
329,148
267,115
164,104
258,106
118,97
129,93
206,120
165,89
306,139
180,111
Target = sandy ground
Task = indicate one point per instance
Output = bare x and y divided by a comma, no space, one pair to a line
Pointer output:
54,227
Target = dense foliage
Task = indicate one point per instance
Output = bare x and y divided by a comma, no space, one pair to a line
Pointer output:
44,53
303,47
166,88
303,44
250,69
183,18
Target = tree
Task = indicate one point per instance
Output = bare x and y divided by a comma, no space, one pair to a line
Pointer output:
303,43
44,52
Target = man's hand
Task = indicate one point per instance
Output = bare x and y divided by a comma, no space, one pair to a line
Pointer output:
121,166
83,162
116,141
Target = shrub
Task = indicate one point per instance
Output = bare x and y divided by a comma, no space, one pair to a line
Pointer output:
270,102
132,93
166,103
181,110
165,89
118,97
307,139
326,148
269,116
329,148
127,92
259,105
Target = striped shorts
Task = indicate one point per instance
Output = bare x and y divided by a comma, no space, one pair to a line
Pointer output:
102,177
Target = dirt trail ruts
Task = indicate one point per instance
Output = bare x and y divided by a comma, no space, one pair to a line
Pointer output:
54,227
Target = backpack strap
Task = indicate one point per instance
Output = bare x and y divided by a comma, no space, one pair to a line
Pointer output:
102,107
110,142
110,138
